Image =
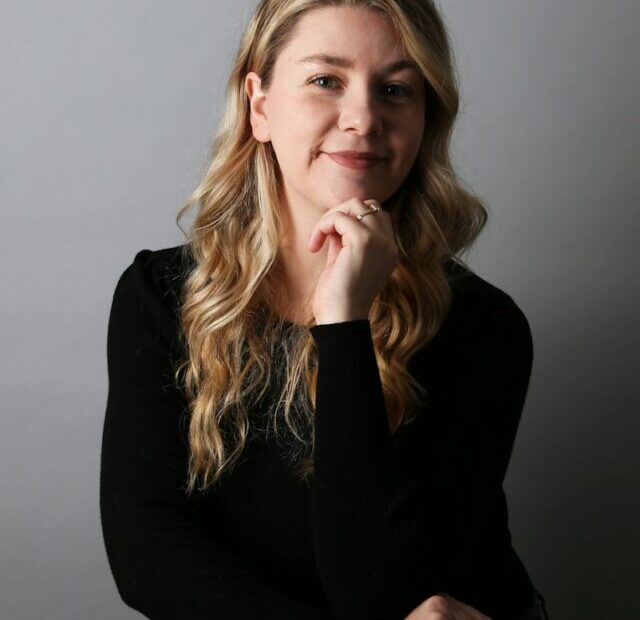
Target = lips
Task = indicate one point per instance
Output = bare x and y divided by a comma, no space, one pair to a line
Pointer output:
357,154
355,160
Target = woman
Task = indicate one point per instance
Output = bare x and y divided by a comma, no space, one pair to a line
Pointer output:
313,401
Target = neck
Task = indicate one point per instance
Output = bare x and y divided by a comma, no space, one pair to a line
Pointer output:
300,268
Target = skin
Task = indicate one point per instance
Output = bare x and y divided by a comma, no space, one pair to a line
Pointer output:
335,265
352,109
445,607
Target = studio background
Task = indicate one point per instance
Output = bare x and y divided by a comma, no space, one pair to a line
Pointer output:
107,111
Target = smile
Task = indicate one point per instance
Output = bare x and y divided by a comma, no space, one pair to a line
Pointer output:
357,163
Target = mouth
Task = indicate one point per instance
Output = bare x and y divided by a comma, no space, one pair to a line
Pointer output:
356,162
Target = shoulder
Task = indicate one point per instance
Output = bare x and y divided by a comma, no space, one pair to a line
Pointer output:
158,269
155,273
482,353
148,290
485,314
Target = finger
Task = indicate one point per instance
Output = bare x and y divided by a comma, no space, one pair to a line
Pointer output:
471,613
353,208
335,245
336,223
439,603
372,202
355,205
445,603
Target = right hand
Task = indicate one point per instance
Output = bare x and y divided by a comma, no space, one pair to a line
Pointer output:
444,607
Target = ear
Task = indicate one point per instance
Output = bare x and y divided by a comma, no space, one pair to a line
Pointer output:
257,100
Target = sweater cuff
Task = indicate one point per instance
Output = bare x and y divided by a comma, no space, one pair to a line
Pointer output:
343,335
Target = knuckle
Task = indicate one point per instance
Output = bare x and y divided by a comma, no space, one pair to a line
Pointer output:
438,604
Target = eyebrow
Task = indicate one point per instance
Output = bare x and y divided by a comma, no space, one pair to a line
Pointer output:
346,63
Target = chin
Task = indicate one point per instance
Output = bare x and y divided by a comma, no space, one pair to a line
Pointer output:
342,194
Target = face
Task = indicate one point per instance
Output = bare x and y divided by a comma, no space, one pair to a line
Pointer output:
315,108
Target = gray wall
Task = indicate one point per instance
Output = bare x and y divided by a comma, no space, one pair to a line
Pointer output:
106,114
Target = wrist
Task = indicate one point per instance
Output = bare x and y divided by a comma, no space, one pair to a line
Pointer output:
341,317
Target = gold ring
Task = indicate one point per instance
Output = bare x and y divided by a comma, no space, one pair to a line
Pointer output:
373,208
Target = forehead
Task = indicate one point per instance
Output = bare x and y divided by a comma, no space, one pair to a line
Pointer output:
344,37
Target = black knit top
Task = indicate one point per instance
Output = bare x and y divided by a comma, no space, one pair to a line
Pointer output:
387,521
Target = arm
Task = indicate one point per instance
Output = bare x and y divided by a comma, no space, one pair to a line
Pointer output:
395,519
165,562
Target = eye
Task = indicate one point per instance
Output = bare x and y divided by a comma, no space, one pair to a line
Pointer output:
313,80
404,91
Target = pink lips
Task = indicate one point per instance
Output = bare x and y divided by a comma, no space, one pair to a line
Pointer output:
355,159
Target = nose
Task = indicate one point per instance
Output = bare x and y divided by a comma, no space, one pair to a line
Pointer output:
359,112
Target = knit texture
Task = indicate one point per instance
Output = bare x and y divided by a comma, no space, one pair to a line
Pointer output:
388,520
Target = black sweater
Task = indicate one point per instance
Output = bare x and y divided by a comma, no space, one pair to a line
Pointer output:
388,520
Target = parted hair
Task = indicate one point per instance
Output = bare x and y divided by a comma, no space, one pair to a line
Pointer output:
244,366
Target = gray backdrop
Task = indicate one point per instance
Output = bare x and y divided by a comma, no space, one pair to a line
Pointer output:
107,109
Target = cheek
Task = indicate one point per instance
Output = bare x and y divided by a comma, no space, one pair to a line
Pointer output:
412,137
303,118
309,115
305,127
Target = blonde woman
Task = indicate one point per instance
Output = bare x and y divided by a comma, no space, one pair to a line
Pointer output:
313,401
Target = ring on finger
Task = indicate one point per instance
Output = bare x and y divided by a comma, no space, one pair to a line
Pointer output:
373,208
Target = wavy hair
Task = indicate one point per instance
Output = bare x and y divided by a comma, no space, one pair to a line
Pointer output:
244,366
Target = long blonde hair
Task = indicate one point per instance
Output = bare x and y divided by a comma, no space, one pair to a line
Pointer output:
244,367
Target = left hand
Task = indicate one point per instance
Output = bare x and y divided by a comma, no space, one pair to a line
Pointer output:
444,607
361,257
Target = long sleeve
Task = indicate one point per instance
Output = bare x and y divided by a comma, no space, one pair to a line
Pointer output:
166,563
399,518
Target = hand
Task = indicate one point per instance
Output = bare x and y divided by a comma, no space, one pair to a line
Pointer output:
361,257
445,607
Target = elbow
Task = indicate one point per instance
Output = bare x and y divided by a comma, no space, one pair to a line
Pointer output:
127,585
124,563
135,585
132,600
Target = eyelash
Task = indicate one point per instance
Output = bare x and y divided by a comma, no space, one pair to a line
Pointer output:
407,91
